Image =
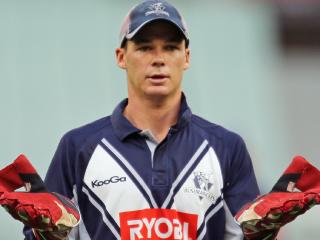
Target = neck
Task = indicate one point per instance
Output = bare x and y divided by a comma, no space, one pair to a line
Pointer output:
156,115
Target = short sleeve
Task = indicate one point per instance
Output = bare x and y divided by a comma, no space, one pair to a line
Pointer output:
241,185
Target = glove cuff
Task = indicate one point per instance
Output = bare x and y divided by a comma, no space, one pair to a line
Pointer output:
300,174
19,174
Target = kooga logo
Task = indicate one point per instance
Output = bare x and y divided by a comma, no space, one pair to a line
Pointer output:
114,179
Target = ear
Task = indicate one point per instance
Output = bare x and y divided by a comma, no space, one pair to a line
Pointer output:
120,56
187,59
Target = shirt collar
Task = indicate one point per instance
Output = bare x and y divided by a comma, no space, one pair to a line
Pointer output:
123,128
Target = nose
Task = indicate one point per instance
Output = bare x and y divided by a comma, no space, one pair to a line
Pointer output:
158,59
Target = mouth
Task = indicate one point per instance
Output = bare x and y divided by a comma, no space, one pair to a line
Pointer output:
157,77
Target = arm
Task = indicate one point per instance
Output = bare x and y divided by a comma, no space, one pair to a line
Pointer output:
240,186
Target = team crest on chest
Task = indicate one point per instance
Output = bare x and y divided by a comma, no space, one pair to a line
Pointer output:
158,9
203,186
201,181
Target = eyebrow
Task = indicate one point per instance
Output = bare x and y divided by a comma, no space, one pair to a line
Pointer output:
141,40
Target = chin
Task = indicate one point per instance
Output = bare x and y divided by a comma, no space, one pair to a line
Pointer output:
161,92
158,92
156,95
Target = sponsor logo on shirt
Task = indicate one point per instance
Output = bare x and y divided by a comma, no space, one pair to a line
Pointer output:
114,179
203,184
158,224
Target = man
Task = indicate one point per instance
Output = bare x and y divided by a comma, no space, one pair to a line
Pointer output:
153,170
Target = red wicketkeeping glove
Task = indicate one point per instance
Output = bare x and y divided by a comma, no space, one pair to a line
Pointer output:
297,190
49,214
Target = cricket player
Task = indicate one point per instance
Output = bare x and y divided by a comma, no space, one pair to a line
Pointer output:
152,169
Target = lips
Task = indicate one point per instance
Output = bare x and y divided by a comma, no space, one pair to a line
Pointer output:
157,77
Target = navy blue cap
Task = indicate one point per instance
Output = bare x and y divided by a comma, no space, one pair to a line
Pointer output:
148,11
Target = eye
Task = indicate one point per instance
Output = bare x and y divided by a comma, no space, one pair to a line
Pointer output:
144,48
171,47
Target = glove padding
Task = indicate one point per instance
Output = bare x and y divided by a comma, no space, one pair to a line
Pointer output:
45,212
297,190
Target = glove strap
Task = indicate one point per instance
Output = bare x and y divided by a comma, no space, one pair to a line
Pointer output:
300,175
20,174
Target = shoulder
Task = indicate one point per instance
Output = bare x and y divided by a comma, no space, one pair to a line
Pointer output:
88,132
214,132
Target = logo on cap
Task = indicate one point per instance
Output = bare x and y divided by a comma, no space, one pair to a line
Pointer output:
158,9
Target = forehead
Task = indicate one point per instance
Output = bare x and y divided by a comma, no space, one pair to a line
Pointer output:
159,29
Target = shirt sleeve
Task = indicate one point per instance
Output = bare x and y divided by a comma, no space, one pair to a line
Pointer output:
240,187
60,176
28,233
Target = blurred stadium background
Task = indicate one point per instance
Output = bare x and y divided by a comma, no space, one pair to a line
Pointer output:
255,69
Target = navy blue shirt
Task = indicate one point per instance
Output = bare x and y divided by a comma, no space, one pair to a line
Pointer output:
190,187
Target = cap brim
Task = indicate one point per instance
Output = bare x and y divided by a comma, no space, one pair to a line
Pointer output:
132,34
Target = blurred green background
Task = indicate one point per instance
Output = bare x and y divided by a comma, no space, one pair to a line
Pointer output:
58,72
